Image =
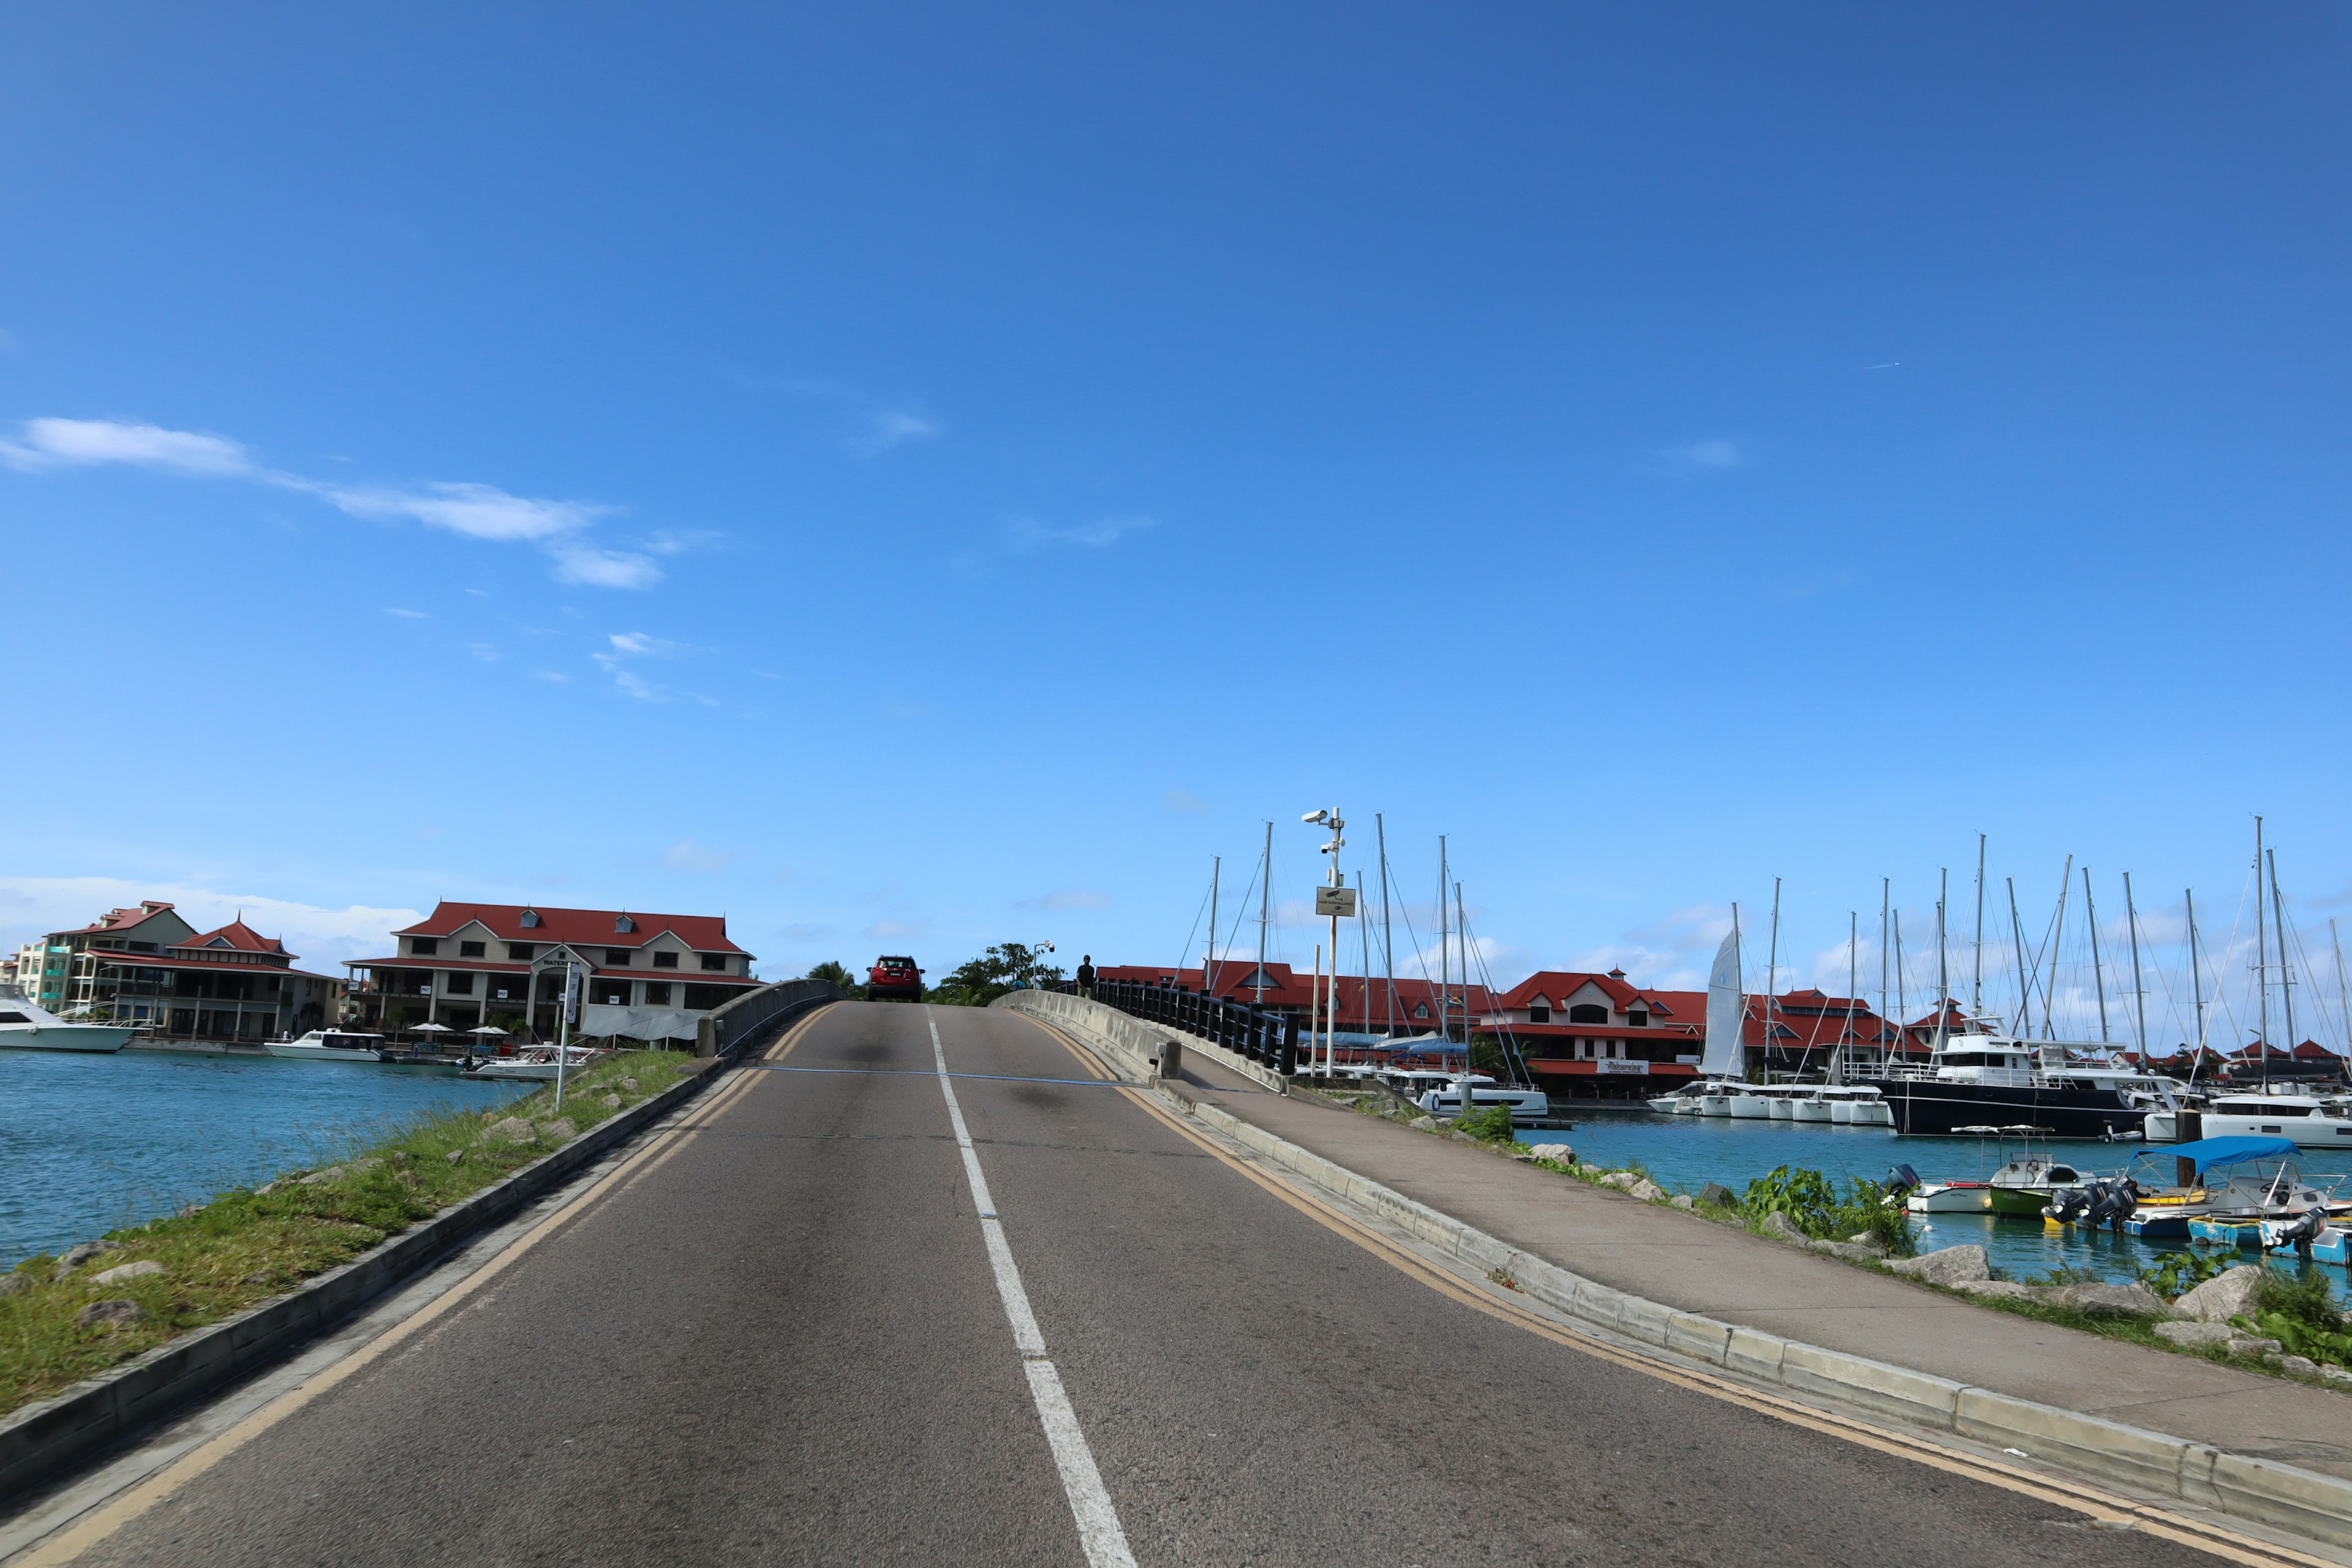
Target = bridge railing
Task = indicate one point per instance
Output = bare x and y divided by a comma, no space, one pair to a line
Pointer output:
1267,1037
729,1027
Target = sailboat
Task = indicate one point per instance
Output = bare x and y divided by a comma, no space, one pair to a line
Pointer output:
1719,1092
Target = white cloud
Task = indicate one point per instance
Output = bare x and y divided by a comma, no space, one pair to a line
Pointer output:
478,511
32,906
1715,454
889,427
592,568
1067,899
85,443
686,855
407,615
474,511
1096,535
639,643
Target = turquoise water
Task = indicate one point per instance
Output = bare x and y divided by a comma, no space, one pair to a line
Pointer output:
89,1144
1684,1152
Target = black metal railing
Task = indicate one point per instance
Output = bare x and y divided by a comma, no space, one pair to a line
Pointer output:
1266,1037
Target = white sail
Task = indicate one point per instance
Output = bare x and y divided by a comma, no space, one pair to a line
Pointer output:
1726,1011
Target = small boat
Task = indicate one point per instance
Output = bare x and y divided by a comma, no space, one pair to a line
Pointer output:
1950,1198
1528,1105
2025,1185
29,1026
1683,1101
330,1046
533,1064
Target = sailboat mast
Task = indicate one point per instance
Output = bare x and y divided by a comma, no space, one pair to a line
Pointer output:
2057,941
2098,975
1264,901
2025,978
1885,906
2196,980
1943,967
2261,954
2286,975
1901,1006
1388,937
1853,980
1975,981
2139,991
1771,973
1462,940
1445,954
1209,958
2342,1003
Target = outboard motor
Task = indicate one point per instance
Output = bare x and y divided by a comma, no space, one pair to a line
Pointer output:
2300,1233
1900,1182
2067,1204
2111,1202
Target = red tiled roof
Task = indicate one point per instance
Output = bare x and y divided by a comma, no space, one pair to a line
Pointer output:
122,920
487,965
1555,985
238,935
575,928
1289,988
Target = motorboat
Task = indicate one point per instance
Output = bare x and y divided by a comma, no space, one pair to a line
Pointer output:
1683,1101
533,1064
1983,1075
2025,1185
30,1026
1950,1198
2312,1120
330,1046
1811,1107
1528,1105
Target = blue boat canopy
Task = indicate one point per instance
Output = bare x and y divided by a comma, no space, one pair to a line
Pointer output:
2210,1151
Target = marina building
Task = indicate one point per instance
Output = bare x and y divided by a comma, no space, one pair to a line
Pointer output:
148,966
647,976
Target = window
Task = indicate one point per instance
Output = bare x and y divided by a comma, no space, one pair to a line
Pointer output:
460,986
1588,1012
664,961
1539,1012
472,950
715,962
521,951
618,957
612,994
424,946
1637,1020
657,993
530,919
702,998
625,926
1420,1010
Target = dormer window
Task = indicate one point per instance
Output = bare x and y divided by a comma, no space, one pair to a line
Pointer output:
1588,1012
1637,1020
1539,1012
625,926
530,918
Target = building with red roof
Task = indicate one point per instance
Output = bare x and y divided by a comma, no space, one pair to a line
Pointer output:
1359,1006
648,976
149,966
44,970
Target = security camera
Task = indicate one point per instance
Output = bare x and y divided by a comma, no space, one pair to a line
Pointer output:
1313,815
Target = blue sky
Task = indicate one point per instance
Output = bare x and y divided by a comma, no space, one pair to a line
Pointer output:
909,478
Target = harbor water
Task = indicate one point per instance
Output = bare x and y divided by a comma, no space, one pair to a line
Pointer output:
1685,1152
89,1144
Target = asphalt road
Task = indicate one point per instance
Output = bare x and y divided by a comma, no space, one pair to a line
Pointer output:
785,1343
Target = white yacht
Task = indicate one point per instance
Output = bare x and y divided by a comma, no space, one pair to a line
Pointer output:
1683,1101
2312,1120
1527,1104
29,1026
533,1064
1850,1106
330,1046
1736,1101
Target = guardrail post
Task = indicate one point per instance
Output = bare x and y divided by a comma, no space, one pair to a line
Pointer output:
1287,1062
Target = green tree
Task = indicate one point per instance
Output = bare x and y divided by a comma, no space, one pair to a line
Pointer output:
1007,966
838,972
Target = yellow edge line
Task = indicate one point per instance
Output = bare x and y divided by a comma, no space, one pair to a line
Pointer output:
2080,1499
102,1522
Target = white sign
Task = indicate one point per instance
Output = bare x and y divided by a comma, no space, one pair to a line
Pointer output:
1612,1064
1340,902
572,995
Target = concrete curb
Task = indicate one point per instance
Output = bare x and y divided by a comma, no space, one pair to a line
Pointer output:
45,1440
2283,1496
1137,1041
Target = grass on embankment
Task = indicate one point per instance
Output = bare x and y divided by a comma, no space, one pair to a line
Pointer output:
246,1247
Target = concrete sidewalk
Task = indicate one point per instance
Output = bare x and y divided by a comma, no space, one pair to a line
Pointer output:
1698,1266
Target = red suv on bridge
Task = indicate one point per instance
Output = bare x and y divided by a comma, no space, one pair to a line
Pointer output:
893,980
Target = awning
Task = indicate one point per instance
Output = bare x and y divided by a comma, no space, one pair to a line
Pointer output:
2209,1152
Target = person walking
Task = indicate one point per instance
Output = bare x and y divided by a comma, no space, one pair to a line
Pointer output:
1086,974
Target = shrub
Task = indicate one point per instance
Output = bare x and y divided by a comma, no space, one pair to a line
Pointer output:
1491,1125
2301,1314
1810,1200
2176,1273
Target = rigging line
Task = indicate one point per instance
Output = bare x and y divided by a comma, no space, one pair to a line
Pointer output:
2220,970
1241,913
1511,1048
1187,948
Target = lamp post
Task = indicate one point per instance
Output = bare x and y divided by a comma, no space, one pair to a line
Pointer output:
1332,903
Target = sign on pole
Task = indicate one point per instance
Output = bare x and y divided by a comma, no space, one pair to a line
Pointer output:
572,995
1340,901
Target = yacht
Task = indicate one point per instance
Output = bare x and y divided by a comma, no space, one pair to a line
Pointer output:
2312,1120
532,1064
1528,1105
1683,1101
29,1026
1736,1101
1850,1106
330,1046
1982,1076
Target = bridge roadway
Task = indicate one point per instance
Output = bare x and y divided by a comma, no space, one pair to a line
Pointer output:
780,1339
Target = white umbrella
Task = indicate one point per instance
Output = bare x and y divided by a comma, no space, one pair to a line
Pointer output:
488,1029
431,1029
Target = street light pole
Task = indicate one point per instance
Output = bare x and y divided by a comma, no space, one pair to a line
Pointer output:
1329,986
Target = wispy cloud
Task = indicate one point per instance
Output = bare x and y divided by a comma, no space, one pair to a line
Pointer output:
1096,535
474,511
1067,899
1184,802
871,425
622,646
407,615
686,855
1715,454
